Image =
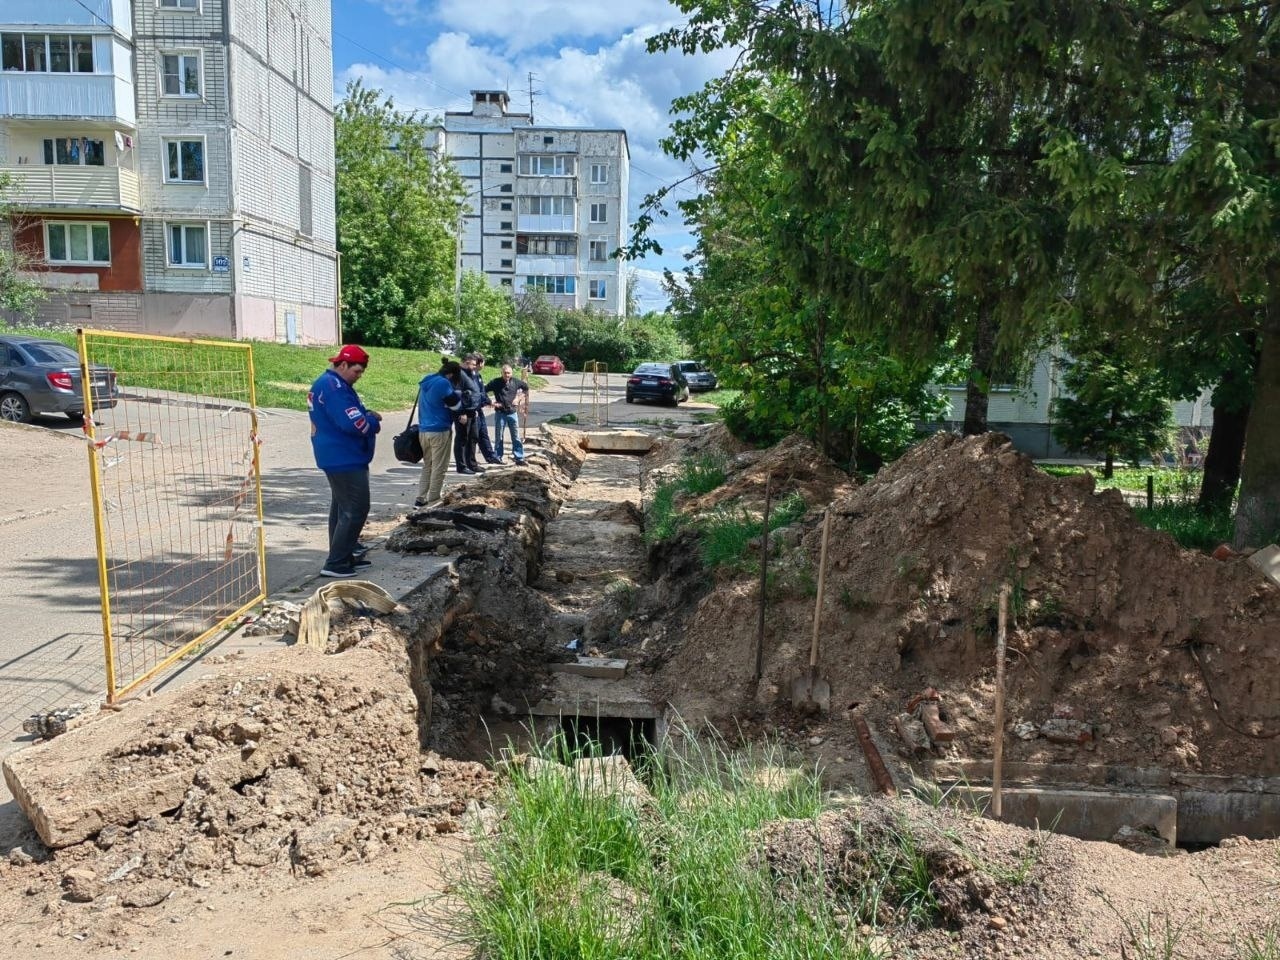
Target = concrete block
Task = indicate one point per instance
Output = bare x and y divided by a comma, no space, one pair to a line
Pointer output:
603,667
1267,560
626,709
617,441
1084,814
1208,816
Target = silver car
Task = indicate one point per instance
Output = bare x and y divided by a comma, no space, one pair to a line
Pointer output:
43,376
699,377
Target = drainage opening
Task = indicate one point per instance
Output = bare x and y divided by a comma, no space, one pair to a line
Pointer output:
630,737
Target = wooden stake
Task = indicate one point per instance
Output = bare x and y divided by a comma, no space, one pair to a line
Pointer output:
764,576
997,765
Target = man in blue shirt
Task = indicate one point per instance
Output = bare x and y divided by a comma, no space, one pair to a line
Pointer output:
438,401
343,433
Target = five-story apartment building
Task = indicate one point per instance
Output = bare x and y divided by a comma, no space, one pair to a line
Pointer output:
170,163
545,207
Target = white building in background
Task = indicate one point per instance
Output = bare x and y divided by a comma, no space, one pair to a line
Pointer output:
545,207
171,163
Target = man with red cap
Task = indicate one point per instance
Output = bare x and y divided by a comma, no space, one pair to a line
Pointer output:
342,438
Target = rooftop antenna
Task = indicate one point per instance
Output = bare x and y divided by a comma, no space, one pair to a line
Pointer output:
532,92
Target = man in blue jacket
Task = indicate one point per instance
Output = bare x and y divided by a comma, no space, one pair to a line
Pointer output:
343,433
438,401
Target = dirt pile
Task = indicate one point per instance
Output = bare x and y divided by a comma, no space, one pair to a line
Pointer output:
1153,654
292,762
934,882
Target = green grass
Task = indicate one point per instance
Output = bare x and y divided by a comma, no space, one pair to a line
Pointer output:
1186,524
1169,482
716,397
728,531
284,372
578,873
698,475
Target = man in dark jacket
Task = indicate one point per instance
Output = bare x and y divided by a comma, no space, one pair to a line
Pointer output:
343,433
465,436
482,428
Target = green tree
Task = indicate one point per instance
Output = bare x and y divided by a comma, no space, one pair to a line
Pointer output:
1112,406
397,206
19,295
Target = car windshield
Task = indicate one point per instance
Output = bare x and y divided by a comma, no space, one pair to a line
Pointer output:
50,352
653,370
692,366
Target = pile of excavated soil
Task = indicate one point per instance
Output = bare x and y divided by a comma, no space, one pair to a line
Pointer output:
996,890
1149,654
291,763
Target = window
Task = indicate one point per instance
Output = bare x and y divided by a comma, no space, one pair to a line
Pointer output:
47,53
504,168
180,74
506,244
506,281
546,166
180,4
78,242
551,284
599,249
504,225
547,246
305,225
184,161
599,173
505,205
547,206
548,140
596,289
505,188
188,245
75,151
506,263
599,212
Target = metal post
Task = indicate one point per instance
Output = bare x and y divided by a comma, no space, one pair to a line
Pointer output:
99,518
997,763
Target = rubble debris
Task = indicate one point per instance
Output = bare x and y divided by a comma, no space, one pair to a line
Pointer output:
278,617
55,722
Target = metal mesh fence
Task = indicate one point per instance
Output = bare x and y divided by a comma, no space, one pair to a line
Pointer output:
173,461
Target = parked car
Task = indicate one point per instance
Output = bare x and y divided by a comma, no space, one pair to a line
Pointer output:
43,376
699,377
549,364
657,381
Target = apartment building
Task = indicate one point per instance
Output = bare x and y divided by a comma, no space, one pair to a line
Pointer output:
545,207
170,163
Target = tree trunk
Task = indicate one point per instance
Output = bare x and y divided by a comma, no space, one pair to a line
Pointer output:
1109,466
1222,460
1258,516
982,363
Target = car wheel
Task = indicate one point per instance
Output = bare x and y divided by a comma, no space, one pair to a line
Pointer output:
630,399
13,407
75,416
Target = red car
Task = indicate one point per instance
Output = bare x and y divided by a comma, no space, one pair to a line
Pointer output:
549,364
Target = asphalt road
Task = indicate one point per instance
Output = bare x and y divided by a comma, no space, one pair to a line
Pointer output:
51,649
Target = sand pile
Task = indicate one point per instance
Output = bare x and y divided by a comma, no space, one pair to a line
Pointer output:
1161,655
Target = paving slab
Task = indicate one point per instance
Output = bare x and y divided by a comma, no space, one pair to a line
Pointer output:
1084,814
605,667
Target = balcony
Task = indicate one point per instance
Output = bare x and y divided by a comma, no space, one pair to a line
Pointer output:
538,223
71,188
99,96
545,266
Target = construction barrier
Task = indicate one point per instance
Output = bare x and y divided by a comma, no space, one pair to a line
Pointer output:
171,427
593,394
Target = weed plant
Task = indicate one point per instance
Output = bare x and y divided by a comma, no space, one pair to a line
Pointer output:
728,531
1188,525
579,872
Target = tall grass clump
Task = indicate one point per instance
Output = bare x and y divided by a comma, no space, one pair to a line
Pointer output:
577,871
1187,524
727,532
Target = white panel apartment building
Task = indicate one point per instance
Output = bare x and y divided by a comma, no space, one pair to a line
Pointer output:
545,207
172,163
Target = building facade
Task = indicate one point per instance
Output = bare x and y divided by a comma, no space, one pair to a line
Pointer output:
170,163
545,207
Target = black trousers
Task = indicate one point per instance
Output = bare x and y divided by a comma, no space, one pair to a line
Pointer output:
482,435
464,441
348,510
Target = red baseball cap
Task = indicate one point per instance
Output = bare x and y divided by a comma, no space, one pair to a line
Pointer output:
351,354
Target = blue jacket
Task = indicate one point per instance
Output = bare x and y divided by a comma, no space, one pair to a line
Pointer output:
342,432
436,398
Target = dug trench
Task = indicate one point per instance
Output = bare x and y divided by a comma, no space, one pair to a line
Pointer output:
563,608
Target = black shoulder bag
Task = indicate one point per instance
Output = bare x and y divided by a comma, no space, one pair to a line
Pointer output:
408,445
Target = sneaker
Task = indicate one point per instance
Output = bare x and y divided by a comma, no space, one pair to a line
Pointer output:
519,462
358,562
466,471
476,468
339,573
420,501
495,460
360,550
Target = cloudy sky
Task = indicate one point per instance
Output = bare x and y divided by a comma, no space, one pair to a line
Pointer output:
588,59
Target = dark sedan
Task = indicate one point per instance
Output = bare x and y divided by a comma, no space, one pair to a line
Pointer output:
657,381
43,376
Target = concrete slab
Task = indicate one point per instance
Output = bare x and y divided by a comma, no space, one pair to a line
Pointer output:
1208,816
604,667
1084,814
584,696
617,441
1267,560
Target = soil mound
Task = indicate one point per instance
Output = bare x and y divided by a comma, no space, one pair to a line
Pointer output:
1143,652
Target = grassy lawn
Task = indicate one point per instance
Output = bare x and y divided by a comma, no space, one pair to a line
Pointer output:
284,372
716,397
1169,481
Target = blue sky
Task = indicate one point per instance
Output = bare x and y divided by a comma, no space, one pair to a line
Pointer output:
589,62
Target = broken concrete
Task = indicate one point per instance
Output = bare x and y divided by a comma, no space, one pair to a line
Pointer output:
607,668
617,441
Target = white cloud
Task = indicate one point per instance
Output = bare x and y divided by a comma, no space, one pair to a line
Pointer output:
525,24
